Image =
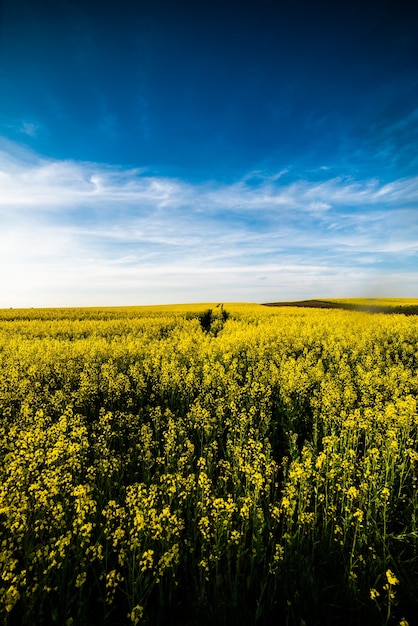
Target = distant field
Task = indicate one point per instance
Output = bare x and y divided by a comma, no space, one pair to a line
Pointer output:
407,306
201,464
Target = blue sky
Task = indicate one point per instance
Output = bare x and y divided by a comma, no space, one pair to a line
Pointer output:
174,151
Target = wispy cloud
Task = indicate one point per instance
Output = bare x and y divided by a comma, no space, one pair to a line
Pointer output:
86,233
29,128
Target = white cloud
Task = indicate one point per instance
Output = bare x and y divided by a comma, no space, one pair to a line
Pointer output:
29,128
85,233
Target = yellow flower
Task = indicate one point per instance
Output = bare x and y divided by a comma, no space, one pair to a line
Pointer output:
12,596
147,560
374,594
136,614
352,492
81,579
392,580
385,493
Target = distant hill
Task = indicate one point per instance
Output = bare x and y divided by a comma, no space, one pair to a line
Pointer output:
406,306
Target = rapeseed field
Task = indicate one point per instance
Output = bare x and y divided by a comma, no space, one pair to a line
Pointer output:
208,464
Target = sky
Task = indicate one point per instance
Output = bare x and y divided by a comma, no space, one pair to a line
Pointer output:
169,151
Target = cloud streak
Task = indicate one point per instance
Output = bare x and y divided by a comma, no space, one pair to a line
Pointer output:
79,233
